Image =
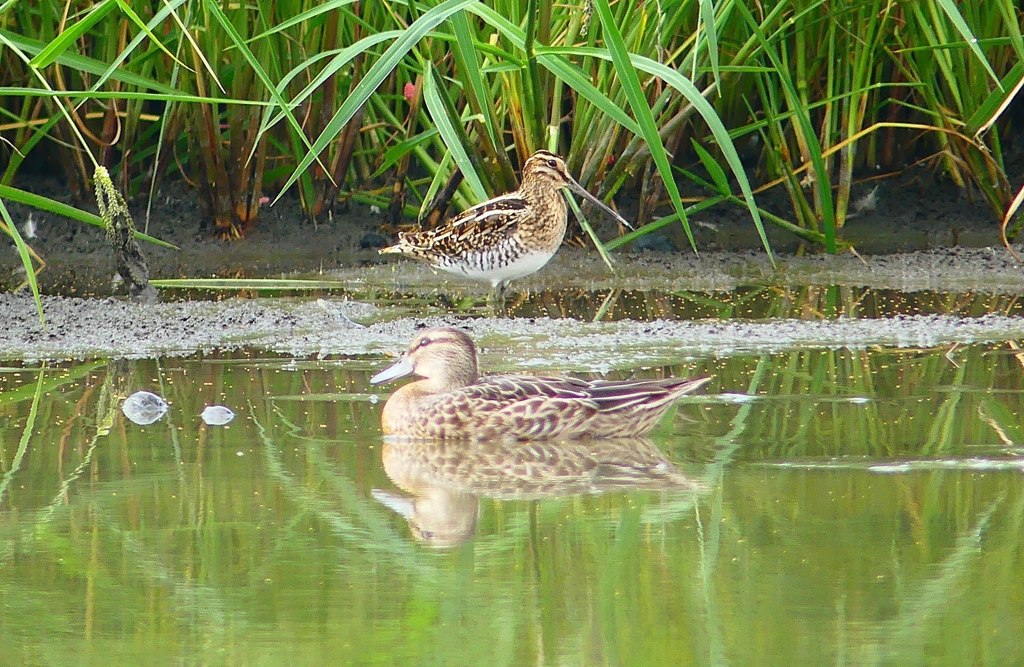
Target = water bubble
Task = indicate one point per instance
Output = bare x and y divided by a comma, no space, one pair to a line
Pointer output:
144,407
217,415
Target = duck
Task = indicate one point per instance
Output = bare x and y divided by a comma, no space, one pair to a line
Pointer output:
452,400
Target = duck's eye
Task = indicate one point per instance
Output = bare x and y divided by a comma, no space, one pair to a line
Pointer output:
424,342
552,164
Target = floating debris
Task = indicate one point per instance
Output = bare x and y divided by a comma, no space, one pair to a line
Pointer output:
868,202
217,415
29,228
144,407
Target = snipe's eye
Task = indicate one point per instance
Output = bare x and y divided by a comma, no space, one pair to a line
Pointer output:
552,164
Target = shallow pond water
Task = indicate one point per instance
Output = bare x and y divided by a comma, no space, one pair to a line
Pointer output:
809,507
806,302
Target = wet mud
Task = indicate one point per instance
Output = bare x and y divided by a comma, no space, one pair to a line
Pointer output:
331,328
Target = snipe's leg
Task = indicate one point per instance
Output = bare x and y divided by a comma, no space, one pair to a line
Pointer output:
496,299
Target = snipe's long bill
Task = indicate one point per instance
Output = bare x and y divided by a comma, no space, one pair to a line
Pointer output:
507,237
453,401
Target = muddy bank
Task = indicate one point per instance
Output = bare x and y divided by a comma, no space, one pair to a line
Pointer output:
343,250
912,212
86,328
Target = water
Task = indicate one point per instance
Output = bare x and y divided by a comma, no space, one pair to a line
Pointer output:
806,302
825,507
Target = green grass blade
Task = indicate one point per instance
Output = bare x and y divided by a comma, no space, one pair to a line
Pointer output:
60,208
380,70
145,32
478,92
85,64
448,134
718,130
707,19
641,110
713,168
258,70
601,250
573,77
339,59
998,100
551,59
694,96
302,17
400,150
249,284
954,15
662,222
66,38
26,259
822,179
127,95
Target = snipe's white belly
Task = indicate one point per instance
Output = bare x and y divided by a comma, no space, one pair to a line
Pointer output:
496,269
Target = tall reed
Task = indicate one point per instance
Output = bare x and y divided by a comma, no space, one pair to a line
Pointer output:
388,103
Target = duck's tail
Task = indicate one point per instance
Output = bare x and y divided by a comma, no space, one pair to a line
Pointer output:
633,408
651,394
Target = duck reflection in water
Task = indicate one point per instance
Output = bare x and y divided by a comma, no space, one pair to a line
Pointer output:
447,478
453,401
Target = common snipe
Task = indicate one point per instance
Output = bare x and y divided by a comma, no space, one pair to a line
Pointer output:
507,237
452,401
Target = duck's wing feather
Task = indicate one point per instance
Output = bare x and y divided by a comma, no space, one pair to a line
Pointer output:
620,395
520,387
522,407
527,407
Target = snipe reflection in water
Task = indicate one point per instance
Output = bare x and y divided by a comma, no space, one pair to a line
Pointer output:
446,479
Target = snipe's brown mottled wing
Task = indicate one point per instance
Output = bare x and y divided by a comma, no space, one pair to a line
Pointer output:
486,225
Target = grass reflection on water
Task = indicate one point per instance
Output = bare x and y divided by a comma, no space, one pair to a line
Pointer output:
746,302
263,543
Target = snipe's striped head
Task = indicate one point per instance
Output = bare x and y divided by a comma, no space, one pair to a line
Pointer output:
547,167
544,169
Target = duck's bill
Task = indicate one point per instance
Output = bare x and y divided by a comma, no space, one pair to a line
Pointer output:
399,370
400,504
581,191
